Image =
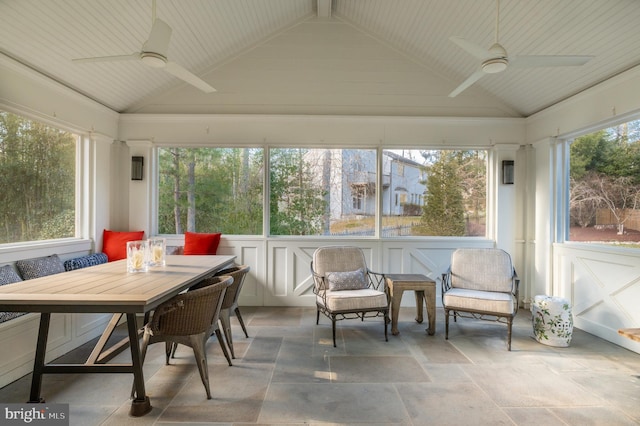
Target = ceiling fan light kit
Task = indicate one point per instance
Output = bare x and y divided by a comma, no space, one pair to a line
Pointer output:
493,66
154,60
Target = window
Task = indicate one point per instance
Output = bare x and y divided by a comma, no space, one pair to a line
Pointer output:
358,196
322,191
433,193
604,201
210,190
37,173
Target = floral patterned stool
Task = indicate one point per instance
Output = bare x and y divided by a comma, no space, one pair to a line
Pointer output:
552,320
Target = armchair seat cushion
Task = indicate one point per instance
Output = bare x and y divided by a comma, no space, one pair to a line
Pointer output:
354,300
480,301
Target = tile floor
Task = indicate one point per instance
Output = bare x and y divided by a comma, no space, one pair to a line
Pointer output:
287,372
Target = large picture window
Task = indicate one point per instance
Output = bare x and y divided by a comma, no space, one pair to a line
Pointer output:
604,177
323,191
37,173
210,190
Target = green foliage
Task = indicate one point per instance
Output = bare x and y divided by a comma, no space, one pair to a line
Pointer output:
606,152
443,212
221,190
37,176
297,204
59,226
605,174
588,153
210,190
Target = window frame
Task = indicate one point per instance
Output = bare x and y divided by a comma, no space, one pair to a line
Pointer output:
155,187
80,241
562,192
491,175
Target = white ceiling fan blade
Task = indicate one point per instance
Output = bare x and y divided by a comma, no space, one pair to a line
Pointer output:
131,57
548,61
472,48
187,76
159,38
468,82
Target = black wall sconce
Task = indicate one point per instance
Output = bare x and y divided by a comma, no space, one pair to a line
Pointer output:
508,171
137,170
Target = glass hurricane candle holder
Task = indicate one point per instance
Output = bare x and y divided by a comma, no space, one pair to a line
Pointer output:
137,256
157,250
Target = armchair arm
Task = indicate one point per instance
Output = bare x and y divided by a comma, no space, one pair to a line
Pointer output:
446,282
376,279
515,290
320,285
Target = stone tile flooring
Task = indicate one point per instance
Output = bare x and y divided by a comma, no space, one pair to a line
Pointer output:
288,372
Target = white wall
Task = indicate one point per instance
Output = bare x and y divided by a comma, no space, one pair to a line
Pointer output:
602,283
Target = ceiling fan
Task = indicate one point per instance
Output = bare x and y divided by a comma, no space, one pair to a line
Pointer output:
495,59
154,54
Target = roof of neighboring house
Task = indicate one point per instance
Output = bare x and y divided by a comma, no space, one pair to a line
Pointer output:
402,159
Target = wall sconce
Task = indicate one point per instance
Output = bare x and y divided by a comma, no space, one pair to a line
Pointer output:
508,172
137,171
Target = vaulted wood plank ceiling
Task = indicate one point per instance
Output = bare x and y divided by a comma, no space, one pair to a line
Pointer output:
369,57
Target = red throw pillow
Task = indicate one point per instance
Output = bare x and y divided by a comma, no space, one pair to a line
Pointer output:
114,244
197,243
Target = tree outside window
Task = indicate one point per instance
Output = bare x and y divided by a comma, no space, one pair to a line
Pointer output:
300,181
37,174
210,190
455,200
604,175
449,188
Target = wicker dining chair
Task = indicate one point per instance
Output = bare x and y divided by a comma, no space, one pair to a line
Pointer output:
189,319
230,303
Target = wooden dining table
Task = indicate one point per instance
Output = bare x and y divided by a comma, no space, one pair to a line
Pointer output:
106,288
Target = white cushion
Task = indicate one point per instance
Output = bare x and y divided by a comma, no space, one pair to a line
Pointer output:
476,300
350,300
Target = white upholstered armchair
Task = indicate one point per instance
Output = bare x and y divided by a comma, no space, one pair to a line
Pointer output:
481,284
345,288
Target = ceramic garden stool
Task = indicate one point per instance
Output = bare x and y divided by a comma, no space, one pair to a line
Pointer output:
552,320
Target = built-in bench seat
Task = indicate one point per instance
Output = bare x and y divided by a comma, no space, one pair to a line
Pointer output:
41,267
19,330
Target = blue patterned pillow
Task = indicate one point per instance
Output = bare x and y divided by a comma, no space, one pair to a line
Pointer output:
350,280
85,261
40,267
8,275
6,316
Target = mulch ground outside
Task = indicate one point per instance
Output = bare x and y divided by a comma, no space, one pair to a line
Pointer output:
603,235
